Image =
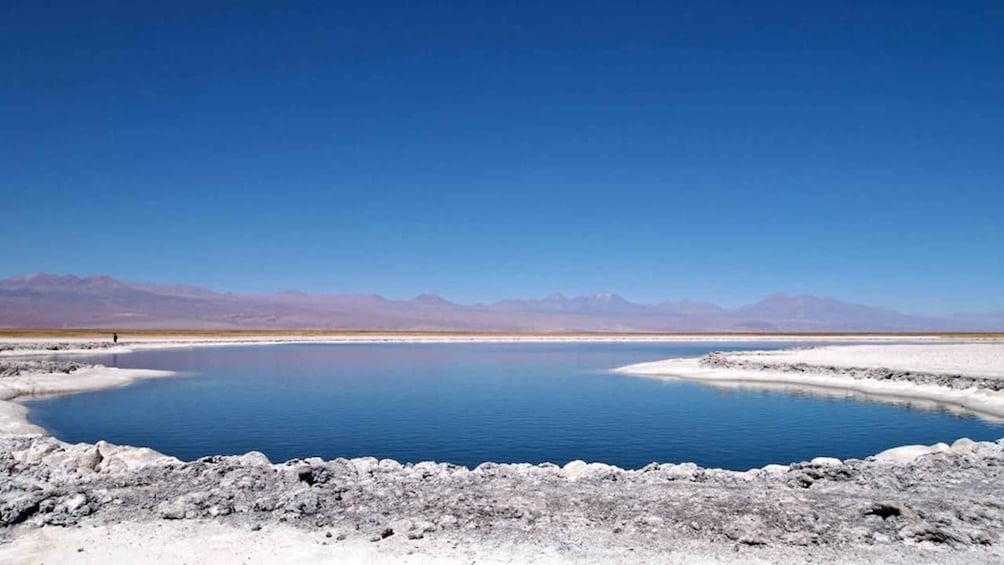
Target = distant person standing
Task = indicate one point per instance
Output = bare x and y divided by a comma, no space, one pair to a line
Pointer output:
115,337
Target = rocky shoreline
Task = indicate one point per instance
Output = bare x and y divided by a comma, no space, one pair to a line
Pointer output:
37,367
938,504
54,347
953,497
747,361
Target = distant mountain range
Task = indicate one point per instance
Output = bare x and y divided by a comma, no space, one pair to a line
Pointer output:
51,301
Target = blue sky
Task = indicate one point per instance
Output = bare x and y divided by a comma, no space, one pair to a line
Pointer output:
704,150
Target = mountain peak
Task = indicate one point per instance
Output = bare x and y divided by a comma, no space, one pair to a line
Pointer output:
50,301
607,297
102,281
48,280
429,299
782,306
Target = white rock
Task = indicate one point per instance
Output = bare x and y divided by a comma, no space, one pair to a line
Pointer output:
826,462
253,459
426,468
121,458
964,445
365,465
683,471
908,453
574,469
389,465
82,457
775,469
172,510
75,502
35,453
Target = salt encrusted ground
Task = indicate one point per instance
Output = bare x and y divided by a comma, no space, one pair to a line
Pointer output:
29,346
961,376
978,359
912,505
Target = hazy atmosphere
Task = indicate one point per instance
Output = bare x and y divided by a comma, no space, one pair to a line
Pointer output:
481,151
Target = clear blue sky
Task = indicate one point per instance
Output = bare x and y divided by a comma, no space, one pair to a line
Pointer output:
704,150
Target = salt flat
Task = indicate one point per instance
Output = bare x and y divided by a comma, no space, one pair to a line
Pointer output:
982,359
20,346
967,376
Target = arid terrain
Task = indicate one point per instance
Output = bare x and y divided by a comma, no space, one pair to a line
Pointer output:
69,301
63,503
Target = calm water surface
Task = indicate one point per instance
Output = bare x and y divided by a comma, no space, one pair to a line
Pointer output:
469,403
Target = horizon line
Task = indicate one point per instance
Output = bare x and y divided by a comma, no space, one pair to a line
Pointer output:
439,297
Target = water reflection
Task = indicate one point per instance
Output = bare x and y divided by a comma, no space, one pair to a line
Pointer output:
816,391
469,403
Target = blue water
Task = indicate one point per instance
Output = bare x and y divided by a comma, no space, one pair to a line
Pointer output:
469,403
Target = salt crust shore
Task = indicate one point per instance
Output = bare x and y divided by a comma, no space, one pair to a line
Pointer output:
80,503
29,346
974,359
13,416
914,372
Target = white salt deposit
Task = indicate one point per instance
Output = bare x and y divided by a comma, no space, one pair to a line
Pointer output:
984,360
